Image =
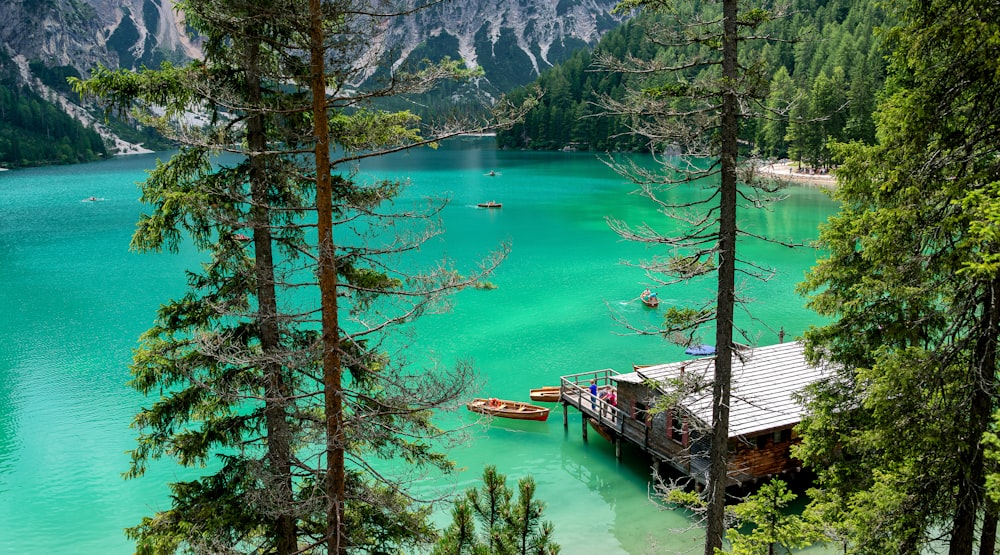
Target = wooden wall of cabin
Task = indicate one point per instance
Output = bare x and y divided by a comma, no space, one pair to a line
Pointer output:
763,455
664,433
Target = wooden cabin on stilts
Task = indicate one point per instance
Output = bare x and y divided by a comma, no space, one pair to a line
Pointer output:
666,410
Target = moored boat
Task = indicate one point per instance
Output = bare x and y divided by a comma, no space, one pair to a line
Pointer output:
545,394
508,409
601,429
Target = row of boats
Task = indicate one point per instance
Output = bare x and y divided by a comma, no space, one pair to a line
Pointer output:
520,410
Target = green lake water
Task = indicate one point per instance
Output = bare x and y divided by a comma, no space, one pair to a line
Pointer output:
74,299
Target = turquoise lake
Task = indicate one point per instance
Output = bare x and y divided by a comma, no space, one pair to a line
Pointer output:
74,300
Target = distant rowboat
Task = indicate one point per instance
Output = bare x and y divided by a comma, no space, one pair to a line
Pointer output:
490,204
508,409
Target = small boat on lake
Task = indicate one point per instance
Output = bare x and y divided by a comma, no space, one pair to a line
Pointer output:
490,204
649,298
550,393
601,429
546,394
508,409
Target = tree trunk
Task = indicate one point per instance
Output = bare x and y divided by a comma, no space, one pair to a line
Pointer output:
718,471
971,478
988,538
330,342
276,390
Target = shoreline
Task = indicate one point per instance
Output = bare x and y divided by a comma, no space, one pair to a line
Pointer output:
785,171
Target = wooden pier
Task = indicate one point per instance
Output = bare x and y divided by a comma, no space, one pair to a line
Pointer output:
616,425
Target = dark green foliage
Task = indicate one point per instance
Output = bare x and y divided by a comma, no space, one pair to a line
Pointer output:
768,525
123,39
506,525
35,132
829,53
911,284
505,62
54,77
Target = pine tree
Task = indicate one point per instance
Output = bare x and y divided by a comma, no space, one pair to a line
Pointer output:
289,403
693,111
508,525
911,285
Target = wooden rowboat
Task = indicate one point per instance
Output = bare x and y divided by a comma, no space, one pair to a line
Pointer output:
508,409
550,393
651,302
546,394
601,429
490,204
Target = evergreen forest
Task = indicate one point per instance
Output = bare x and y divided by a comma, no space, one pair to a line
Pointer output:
35,132
825,61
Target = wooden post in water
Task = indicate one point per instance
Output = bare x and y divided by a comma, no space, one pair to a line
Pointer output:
618,446
565,415
583,418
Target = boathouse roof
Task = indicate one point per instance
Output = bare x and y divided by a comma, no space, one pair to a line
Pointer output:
764,380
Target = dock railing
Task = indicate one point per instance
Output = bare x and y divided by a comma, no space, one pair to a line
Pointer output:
574,390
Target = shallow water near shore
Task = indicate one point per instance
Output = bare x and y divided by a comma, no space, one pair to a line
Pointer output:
75,300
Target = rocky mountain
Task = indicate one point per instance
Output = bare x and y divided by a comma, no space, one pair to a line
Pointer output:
512,41
84,33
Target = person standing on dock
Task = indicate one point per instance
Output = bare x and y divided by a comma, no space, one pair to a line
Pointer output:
593,393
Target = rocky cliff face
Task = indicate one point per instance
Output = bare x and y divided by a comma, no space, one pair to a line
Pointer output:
84,33
511,40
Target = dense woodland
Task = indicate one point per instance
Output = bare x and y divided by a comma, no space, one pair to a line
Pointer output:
826,67
35,132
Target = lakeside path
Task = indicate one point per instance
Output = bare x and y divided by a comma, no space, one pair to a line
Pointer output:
788,172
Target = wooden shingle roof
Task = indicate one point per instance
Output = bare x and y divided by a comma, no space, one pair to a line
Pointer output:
763,381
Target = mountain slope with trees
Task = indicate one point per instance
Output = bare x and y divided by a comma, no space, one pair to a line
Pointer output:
34,131
510,42
826,70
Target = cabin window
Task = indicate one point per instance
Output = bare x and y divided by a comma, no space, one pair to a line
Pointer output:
676,426
761,441
640,410
782,436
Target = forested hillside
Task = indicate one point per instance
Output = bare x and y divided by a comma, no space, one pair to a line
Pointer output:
35,132
826,67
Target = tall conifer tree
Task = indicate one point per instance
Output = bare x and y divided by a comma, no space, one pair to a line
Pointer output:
291,401
912,285
693,111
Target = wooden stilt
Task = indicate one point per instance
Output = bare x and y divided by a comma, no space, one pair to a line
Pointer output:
583,418
565,415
